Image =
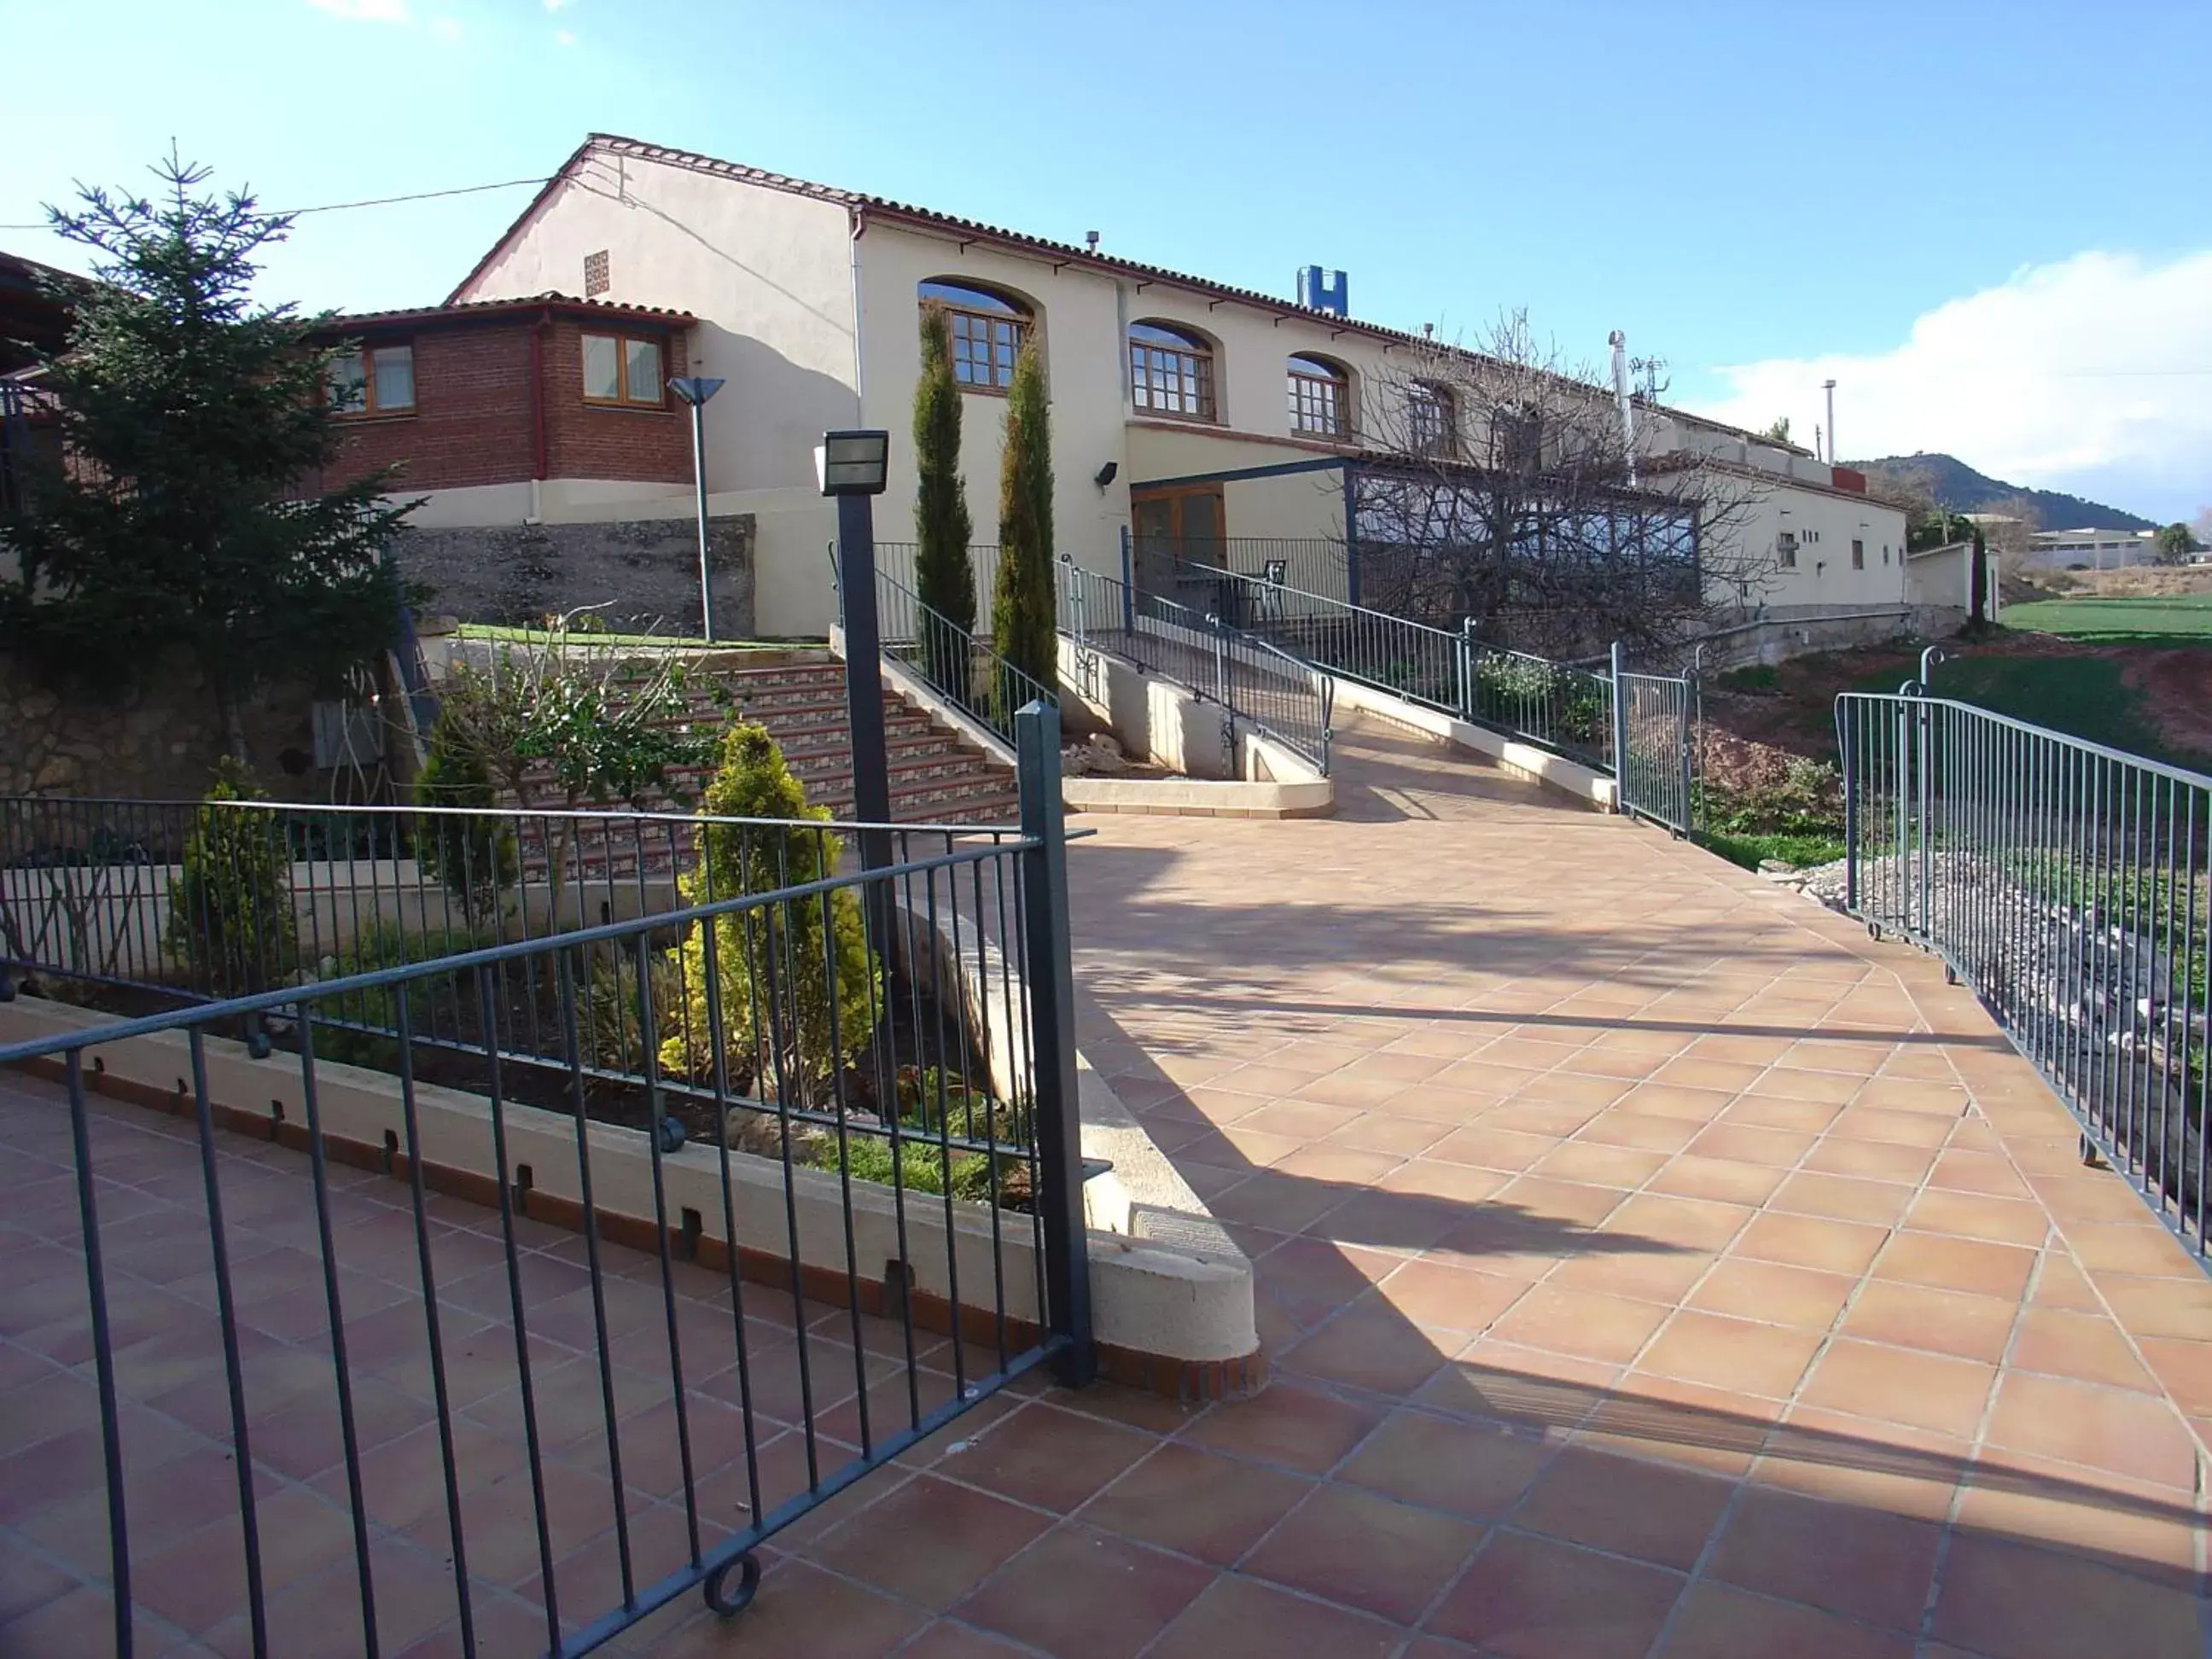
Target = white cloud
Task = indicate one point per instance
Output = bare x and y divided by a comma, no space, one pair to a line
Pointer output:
555,5
564,37
364,11
2095,369
446,28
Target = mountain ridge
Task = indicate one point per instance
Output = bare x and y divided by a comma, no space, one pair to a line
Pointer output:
1959,488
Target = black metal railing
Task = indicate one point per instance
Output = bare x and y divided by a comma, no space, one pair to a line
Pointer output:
830,1199
2066,882
894,560
960,667
1272,691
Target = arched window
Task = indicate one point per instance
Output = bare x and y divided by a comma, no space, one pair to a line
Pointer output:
1431,420
1321,398
988,331
1171,371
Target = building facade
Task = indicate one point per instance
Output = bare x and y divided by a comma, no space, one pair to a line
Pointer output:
1183,411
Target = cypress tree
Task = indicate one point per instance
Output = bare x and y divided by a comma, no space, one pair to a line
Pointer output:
943,577
1022,620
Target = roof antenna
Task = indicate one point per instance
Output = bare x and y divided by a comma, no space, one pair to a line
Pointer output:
1091,240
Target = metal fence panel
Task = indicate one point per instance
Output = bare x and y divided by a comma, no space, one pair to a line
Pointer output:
2066,884
1656,754
787,1266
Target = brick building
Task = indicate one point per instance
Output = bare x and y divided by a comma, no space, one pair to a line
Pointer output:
500,398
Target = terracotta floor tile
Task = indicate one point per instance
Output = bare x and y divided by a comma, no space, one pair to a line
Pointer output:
1770,1148
1773,1292
1580,1322
1728,1077
1297,1427
1757,1109
1888,1466
1989,1173
1531,1598
1863,1121
2087,1347
1843,1198
2133,1527
2014,1602
1716,1622
1476,1470
2137,1435
2159,1306
1491,1149
1689,1223
1600,1165
1455,1184
1434,1294
1662,1276
1731,1353
1243,1618
1365,1551
2184,1369
1405,1137
1052,1459
1957,1264
1976,1215
1377,1351
1655,1512
930,1541
1641,1131
1844,1557
1679,1102
1721,1179
1935,1321
1786,1082
2146,1248
1897,1385
1843,1247
1196,1503
1083,1594
1875,1160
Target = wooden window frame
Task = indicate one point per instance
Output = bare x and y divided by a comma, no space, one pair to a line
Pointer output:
1195,367
1307,372
623,339
1443,440
370,409
1016,319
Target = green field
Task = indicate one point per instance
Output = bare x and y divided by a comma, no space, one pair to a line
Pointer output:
2083,695
2173,620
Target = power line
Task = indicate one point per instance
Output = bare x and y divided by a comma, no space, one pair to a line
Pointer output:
376,201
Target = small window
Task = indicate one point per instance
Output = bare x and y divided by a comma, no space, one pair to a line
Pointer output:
1785,544
623,369
374,380
1516,440
1321,398
1431,420
599,274
1858,554
1170,372
988,331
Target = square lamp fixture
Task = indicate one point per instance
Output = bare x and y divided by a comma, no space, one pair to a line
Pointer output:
853,463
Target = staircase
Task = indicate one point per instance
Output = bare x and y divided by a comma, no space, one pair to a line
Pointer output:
937,775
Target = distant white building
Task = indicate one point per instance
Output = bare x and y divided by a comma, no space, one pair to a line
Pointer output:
2087,549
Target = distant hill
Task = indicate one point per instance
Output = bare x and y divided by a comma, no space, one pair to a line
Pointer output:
1961,490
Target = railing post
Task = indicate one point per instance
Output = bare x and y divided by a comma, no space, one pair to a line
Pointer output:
1128,585
1351,536
1619,734
1052,1035
1850,748
1467,668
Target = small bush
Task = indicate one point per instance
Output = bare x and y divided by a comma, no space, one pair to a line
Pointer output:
475,857
1750,851
1805,798
230,907
386,944
611,1032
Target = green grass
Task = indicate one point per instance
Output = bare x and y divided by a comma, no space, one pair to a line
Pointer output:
2080,696
1747,850
534,636
1758,676
2173,619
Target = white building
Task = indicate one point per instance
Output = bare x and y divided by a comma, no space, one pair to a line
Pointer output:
1179,406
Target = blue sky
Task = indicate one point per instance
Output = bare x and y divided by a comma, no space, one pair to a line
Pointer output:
1988,222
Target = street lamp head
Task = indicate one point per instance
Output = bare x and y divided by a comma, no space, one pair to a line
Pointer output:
695,389
853,463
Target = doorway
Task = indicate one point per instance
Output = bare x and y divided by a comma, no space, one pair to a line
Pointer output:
1172,522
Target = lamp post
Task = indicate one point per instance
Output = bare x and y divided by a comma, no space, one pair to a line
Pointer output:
695,390
850,467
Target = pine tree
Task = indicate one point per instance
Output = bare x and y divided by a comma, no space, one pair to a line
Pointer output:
1022,626
944,578
774,978
192,425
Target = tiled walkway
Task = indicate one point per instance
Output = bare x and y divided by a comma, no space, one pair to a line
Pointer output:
1650,1264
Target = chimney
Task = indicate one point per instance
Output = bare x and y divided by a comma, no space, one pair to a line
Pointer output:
1618,341
1330,295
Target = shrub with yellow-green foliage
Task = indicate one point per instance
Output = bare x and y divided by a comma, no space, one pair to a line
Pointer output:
780,1021
231,921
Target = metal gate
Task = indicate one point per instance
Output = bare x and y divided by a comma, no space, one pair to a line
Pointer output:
1654,754
536,1336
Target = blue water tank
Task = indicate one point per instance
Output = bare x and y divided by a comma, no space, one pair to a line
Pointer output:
1319,290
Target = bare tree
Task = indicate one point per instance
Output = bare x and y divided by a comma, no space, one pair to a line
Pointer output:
1505,496
2010,523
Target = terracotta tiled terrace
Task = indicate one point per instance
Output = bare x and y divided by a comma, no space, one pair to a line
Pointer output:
1650,1262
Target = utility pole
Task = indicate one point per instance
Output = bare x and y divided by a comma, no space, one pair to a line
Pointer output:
1829,386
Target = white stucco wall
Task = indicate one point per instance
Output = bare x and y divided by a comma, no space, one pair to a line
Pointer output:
1824,522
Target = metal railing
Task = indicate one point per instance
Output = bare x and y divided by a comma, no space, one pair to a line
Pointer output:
1556,706
819,1210
896,561
1655,758
1272,691
958,665
1299,564
2066,884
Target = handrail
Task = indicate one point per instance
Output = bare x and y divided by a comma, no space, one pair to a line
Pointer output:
952,661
